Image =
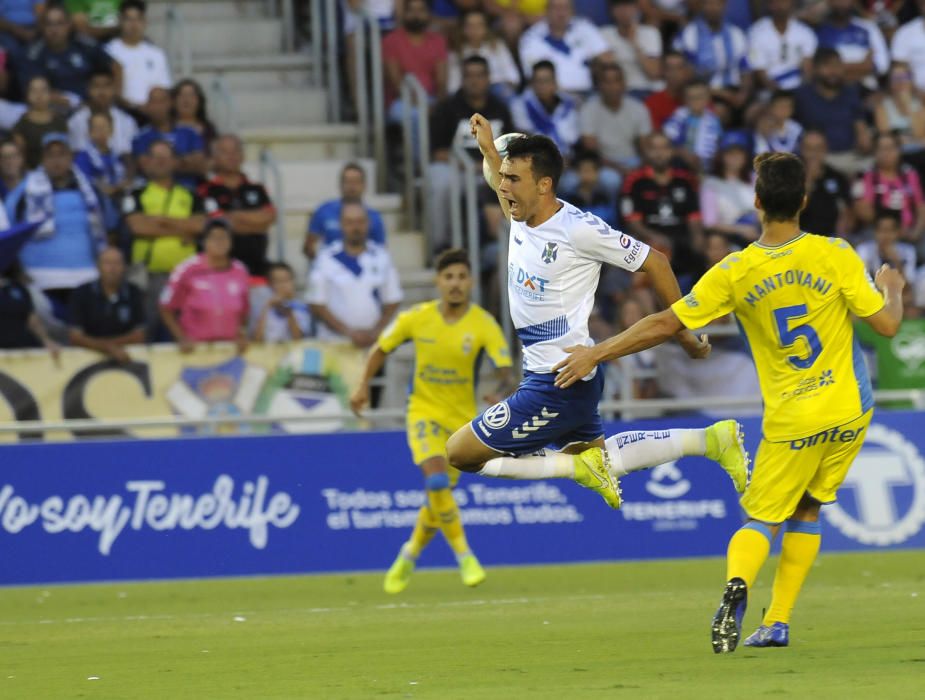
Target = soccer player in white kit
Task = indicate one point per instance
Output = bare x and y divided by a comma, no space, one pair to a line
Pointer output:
554,264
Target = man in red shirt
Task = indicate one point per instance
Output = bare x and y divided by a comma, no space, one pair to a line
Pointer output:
663,103
414,49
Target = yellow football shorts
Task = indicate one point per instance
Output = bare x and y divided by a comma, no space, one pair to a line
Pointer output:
815,465
426,439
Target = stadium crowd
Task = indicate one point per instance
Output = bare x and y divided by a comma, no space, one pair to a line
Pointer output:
147,228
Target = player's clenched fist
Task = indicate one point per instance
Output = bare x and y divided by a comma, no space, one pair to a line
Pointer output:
360,398
889,278
481,131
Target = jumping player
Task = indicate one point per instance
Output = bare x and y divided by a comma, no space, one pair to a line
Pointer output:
555,256
450,336
794,295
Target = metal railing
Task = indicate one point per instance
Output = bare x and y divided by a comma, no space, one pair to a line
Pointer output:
317,42
332,58
269,164
228,121
179,47
465,226
415,100
287,14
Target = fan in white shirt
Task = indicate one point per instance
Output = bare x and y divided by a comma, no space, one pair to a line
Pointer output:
476,39
144,65
781,47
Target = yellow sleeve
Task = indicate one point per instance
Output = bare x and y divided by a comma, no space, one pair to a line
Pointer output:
862,297
711,298
494,343
398,331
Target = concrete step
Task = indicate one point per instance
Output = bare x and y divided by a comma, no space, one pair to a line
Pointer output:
292,70
295,143
206,9
307,183
214,37
274,107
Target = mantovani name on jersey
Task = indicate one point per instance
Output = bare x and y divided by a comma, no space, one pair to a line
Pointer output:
800,278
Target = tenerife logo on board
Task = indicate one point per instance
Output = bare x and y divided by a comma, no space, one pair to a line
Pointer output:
882,501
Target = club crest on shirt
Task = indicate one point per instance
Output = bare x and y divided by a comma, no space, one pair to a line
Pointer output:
467,343
550,252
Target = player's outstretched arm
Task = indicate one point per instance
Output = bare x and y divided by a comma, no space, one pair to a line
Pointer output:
653,330
886,322
374,362
481,131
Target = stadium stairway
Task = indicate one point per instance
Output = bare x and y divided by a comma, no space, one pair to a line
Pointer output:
274,106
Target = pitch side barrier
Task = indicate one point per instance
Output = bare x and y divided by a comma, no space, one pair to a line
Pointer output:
208,506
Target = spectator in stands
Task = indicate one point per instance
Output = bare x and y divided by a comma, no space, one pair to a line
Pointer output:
718,52
101,97
413,49
694,129
636,47
104,168
891,186
164,219
284,317
476,39
886,247
206,296
144,65
190,108
95,18
324,225
589,192
662,104
66,59
245,205
18,22
667,14
513,16
20,325
776,131
543,109
450,126
660,206
612,123
901,110
61,255
835,108
187,143
354,290
858,41
907,44
781,48
727,197
12,167
38,121
108,313
828,210
570,43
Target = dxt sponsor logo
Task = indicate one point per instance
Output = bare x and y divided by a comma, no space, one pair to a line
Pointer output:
882,501
527,284
827,436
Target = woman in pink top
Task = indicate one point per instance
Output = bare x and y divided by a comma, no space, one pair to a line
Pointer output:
891,186
206,296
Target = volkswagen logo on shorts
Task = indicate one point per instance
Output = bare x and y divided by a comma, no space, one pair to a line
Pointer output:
882,501
497,416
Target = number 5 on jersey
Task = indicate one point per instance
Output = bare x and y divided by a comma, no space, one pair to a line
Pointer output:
789,336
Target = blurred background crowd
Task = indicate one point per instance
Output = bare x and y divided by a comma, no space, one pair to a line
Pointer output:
142,225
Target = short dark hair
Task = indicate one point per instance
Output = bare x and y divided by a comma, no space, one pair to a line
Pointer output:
892,135
101,113
611,68
139,5
888,215
543,65
544,155
275,266
453,256
824,54
100,73
161,142
782,95
781,185
697,83
587,156
352,165
475,60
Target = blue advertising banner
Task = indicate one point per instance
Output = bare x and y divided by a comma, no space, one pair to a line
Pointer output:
95,511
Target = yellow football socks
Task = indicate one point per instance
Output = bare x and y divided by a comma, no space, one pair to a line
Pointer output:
747,552
446,512
799,548
424,530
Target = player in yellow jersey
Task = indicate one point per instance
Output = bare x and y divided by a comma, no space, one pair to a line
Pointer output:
794,295
450,336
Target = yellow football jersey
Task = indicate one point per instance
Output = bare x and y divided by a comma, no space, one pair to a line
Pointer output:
446,358
794,304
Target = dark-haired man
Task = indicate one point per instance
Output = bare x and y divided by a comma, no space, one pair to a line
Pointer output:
555,256
449,335
144,65
324,224
794,294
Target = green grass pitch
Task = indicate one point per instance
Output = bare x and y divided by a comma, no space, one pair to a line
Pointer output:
638,630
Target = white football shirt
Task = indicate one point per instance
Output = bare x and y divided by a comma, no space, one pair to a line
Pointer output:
909,47
553,271
781,55
144,67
